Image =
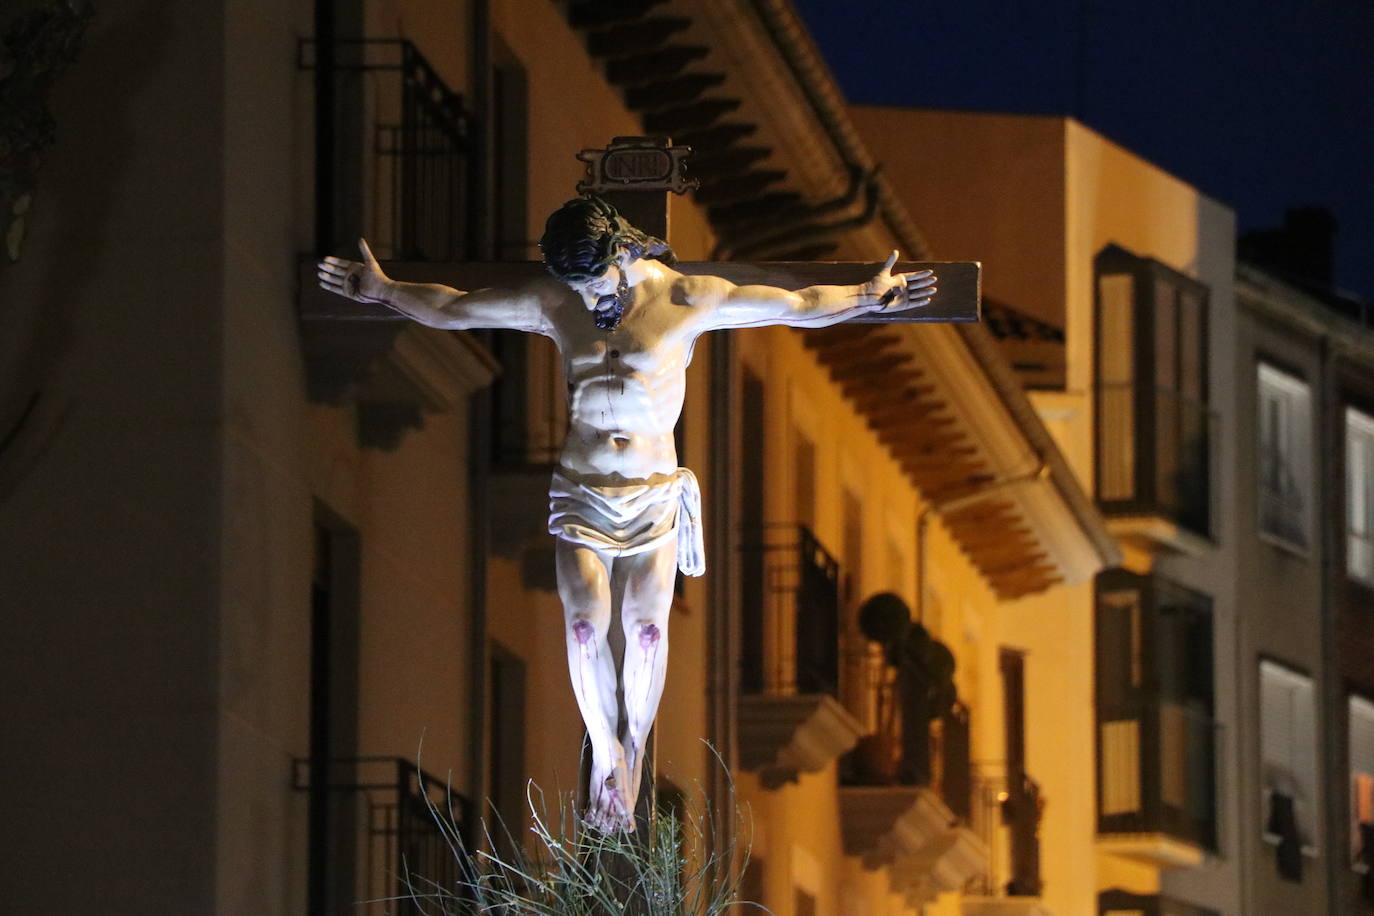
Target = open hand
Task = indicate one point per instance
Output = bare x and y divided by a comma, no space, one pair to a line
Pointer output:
362,281
895,292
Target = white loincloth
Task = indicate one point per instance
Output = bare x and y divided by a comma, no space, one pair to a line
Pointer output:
631,519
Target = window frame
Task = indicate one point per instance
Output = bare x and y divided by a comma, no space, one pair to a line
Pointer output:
1304,739
1365,705
1296,430
1154,422
1359,425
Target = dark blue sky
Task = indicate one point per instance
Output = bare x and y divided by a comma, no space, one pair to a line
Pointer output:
1262,104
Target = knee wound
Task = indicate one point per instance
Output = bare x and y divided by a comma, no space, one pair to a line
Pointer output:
583,631
648,635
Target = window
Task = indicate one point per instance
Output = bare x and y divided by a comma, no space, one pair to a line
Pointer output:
1359,495
804,478
1361,782
1155,704
1288,765
1153,420
1285,437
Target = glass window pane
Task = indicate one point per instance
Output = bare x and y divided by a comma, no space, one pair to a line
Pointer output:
1166,335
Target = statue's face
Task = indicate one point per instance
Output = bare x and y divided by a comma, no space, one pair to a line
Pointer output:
600,290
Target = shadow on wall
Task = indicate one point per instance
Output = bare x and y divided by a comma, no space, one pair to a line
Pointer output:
48,294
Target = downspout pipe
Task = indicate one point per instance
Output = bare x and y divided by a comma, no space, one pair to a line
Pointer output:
817,82
794,236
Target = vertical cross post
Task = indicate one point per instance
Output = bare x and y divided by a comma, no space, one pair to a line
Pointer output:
635,175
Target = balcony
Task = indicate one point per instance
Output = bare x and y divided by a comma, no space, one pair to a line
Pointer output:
1157,783
375,838
790,720
1154,428
1117,902
1156,738
1154,450
912,833
907,799
393,164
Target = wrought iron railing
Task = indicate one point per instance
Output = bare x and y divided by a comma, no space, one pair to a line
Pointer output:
1157,772
393,837
1154,449
791,609
886,757
954,771
417,136
1006,818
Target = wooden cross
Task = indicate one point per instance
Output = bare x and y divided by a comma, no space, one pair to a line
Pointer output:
635,175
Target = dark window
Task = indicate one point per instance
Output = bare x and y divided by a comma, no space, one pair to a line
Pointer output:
804,479
332,881
752,558
510,166
506,748
1154,689
1021,809
1153,420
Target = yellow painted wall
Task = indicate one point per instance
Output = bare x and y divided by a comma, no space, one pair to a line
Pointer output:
1035,198
982,187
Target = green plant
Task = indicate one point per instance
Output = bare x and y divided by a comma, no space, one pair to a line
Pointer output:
680,866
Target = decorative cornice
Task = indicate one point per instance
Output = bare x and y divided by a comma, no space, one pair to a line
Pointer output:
782,737
912,833
443,367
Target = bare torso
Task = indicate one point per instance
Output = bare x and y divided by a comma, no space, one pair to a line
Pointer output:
626,385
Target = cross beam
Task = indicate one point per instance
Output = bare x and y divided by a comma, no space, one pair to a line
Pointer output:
958,299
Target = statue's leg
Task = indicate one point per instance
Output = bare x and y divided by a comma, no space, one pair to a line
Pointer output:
648,582
584,587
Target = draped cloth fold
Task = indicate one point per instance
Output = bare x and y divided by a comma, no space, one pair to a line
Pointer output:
632,518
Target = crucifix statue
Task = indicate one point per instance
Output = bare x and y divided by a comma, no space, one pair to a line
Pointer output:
626,517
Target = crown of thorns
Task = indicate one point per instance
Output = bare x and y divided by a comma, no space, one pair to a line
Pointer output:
586,235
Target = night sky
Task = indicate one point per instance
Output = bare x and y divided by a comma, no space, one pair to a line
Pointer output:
1261,104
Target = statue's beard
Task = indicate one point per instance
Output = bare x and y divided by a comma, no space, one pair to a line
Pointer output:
610,308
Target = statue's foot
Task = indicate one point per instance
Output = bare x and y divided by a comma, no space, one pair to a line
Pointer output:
610,804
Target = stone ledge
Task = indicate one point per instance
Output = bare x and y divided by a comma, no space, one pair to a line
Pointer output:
1003,906
782,737
909,831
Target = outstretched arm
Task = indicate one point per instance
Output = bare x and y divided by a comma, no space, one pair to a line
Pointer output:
431,303
818,306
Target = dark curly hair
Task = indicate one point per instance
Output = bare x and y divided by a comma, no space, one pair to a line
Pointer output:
584,237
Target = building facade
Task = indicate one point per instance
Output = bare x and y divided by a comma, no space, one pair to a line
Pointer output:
1214,415
275,575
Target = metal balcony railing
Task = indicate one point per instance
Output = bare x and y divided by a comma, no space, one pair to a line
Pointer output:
403,145
1157,772
791,613
940,757
1154,449
387,848
1006,819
